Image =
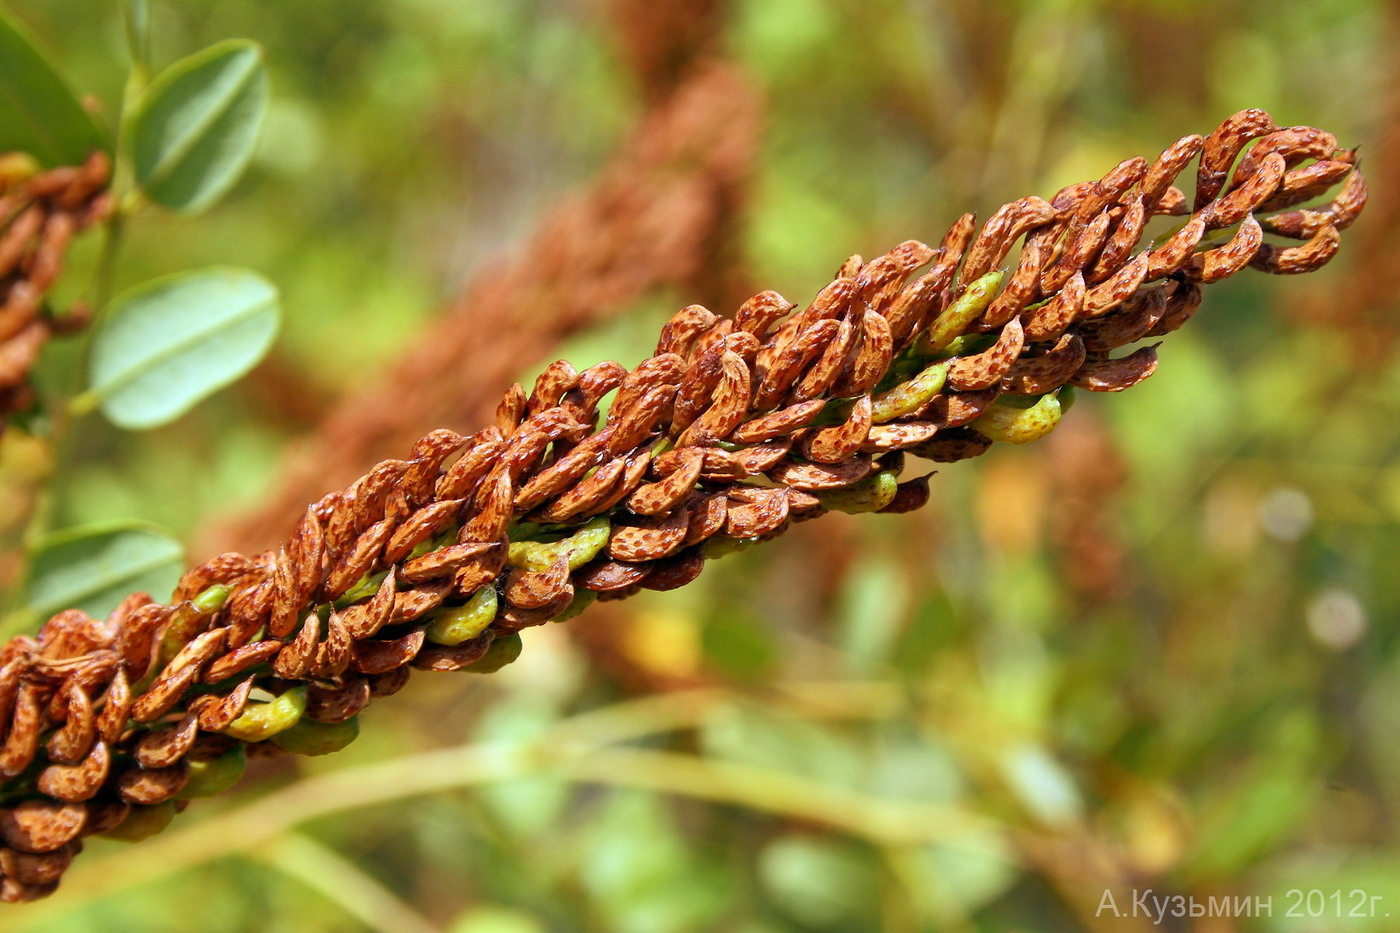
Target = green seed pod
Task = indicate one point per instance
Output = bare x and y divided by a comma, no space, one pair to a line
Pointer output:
364,588
579,548
722,545
503,651
581,601
191,618
212,599
264,720
452,625
142,822
1011,425
953,321
968,345
318,738
869,495
208,778
908,397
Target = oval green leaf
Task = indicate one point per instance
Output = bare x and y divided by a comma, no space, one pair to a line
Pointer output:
39,113
169,343
95,568
194,129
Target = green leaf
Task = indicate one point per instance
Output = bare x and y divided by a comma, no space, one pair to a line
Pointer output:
39,113
94,568
167,344
193,131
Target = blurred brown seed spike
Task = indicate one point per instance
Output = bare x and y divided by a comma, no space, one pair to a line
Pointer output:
733,431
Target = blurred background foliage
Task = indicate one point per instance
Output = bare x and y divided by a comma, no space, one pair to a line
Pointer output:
1158,649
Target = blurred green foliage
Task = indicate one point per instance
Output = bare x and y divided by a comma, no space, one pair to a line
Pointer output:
905,723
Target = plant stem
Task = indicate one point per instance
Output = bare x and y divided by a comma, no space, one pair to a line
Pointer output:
342,883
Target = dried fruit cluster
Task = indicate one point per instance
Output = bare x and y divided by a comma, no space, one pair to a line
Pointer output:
40,212
736,428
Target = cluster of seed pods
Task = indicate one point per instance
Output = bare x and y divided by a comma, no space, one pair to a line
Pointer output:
736,428
40,213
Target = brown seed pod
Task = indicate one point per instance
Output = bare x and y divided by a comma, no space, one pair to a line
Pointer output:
952,445
609,576
901,436
839,442
1001,230
1221,148
675,572
1295,260
37,868
1133,320
79,782
986,369
219,714
337,704
909,497
681,330
530,590
1024,284
753,513
954,409
815,476
1040,374
1079,251
373,656
1168,166
1216,264
41,826
162,748
649,539
1308,182
1171,255
1248,197
1110,375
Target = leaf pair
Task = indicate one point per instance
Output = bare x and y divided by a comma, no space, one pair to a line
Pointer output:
191,134
167,344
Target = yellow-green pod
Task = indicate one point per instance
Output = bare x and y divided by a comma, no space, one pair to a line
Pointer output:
452,625
191,618
1012,425
211,600
208,778
504,650
264,720
578,548
142,822
364,588
908,397
581,601
962,312
318,738
967,345
722,545
869,495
